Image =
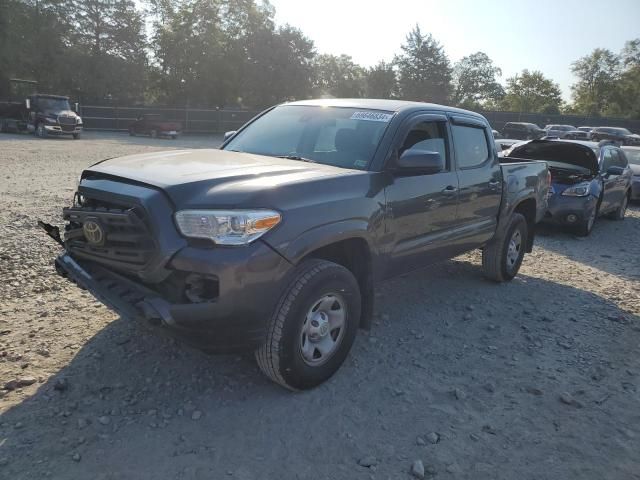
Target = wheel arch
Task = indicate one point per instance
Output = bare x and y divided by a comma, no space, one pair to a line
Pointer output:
528,208
354,252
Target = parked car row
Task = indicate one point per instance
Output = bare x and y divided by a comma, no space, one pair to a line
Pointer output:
589,179
531,131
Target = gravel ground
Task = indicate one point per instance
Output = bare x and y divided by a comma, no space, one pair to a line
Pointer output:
459,378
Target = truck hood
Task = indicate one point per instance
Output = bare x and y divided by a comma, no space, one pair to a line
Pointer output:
214,178
62,113
558,152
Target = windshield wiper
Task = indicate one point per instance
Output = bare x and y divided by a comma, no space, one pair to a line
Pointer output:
296,157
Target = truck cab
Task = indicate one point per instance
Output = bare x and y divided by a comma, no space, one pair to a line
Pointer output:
52,115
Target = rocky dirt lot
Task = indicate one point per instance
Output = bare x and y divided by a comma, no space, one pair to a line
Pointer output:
459,378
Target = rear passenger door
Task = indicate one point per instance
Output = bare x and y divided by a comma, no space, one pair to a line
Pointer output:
480,182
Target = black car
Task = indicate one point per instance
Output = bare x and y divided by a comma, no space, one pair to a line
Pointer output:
588,180
522,131
616,134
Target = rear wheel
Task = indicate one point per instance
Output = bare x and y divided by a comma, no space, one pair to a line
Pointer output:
313,327
502,257
154,134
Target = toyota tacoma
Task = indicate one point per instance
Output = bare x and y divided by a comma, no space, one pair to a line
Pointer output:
276,241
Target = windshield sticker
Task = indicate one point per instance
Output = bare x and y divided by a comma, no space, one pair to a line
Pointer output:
372,116
360,163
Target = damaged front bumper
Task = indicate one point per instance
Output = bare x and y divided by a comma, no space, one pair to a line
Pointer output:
248,286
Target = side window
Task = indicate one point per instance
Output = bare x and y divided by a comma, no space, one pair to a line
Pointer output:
607,159
619,160
470,145
428,136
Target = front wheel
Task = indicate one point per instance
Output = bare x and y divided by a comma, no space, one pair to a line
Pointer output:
76,136
313,327
154,134
41,131
502,257
586,227
620,212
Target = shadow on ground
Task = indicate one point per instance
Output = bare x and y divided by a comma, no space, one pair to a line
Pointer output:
481,364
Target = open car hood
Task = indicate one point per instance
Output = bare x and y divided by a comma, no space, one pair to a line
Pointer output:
569,153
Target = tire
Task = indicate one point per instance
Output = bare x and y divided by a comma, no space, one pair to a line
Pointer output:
132,132
618,214
500,259
76,136
41,131
290,356
154,134
173,137
586,227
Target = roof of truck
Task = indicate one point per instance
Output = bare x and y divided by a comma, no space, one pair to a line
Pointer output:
380,104
46,95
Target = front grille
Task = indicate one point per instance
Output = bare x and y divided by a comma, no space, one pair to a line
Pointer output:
126,241
67,124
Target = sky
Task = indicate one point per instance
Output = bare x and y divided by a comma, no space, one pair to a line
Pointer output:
534,34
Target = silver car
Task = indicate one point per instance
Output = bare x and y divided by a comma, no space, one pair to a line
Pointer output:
633,156
558,130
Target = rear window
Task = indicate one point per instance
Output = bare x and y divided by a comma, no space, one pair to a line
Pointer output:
470,146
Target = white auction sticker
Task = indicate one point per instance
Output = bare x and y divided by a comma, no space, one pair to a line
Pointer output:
372,116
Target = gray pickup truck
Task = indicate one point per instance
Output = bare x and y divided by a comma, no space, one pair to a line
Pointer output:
276,241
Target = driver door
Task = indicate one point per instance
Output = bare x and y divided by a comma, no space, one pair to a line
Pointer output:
421,209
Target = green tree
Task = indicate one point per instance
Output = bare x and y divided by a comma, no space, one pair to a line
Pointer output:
475,81
382,81
531,91
108,53
424,71
630,55
338,76
597,75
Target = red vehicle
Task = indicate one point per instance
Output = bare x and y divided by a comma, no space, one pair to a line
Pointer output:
154,125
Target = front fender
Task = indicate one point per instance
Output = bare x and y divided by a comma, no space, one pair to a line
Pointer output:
323,235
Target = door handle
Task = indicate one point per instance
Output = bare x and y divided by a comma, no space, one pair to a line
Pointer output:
450,190
493,185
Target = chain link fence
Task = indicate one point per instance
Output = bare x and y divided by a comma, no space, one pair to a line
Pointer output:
198,120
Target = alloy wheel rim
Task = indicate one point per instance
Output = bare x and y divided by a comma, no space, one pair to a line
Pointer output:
323,329
514,250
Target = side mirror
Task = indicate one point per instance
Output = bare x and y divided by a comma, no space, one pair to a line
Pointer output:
615,171
229,134
420,161
27,103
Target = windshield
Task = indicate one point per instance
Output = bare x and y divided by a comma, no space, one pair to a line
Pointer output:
633,156
53,104
344,137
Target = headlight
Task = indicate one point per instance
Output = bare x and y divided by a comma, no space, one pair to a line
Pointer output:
579,190
226,227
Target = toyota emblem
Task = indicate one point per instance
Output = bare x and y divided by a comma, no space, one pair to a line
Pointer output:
93,232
